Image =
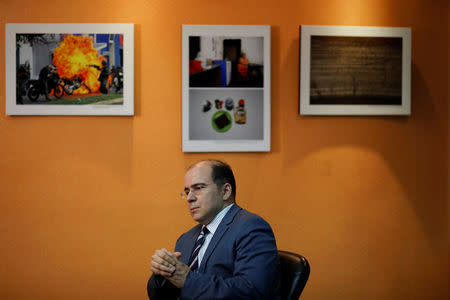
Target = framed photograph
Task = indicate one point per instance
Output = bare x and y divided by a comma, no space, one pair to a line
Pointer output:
355,70
225,88
69,69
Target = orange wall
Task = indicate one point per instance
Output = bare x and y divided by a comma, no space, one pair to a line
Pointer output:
86,200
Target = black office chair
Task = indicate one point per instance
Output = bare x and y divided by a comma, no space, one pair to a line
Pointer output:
294,274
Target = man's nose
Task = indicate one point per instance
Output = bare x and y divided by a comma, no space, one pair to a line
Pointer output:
191,196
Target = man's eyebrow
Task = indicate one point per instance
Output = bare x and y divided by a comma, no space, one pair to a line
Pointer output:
197,185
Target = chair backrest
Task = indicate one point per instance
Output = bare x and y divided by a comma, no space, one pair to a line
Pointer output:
294,274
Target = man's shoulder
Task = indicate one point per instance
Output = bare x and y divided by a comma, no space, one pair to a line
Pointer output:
245,219
193,231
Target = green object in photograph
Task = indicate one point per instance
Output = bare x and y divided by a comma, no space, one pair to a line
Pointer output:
221,121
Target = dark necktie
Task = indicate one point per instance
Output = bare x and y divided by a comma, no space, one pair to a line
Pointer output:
193,262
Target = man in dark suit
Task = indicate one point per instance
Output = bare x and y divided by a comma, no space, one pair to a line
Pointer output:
230,254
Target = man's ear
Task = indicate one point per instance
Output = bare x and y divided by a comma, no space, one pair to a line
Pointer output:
227,189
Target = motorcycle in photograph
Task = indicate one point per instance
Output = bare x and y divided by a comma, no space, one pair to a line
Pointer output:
70,85
35,88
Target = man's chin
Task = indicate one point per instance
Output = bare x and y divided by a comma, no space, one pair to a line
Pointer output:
197,217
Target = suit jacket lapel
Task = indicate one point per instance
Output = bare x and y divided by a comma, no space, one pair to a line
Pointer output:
187,250
220,231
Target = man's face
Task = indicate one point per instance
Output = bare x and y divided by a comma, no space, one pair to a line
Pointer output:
205,200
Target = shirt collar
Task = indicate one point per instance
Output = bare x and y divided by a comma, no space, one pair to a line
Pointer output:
212,226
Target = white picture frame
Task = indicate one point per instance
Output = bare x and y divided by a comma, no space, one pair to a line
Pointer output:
355,70
30,47
215,69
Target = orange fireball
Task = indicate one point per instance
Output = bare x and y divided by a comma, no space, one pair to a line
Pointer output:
72,58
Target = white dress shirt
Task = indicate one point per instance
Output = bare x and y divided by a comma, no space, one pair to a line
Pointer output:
212,227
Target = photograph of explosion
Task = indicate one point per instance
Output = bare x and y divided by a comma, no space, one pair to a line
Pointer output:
65,68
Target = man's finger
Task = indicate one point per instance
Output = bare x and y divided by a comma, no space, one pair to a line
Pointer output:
160,272
169,257
162,269
166,259
163,266
159,260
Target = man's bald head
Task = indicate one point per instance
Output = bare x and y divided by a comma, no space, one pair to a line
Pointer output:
221,173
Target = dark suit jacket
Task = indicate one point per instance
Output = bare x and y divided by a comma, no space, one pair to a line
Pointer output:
241,262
